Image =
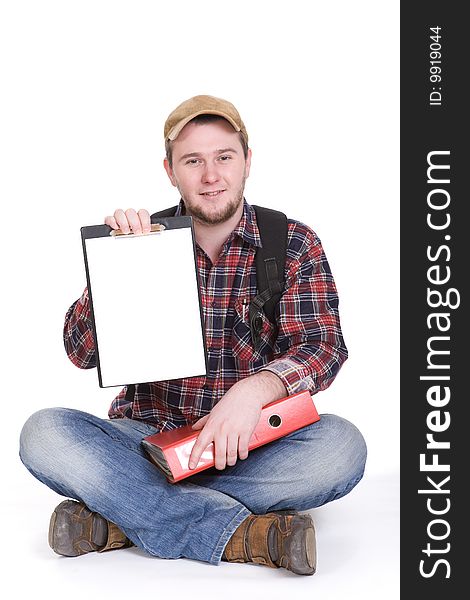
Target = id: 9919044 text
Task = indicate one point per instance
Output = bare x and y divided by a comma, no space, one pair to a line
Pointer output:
435,66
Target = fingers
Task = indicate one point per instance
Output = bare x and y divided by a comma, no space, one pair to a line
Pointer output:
111,221
232,450
243,446
144,220
227,447
121,220
220,449
130,221
202,441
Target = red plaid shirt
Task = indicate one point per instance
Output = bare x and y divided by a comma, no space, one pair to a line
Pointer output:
306,350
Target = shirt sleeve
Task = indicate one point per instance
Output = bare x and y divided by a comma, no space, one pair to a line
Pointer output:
78,333
310,348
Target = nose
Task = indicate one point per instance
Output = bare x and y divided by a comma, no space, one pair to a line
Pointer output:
210,173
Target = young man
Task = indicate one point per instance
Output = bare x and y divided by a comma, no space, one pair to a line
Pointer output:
247,508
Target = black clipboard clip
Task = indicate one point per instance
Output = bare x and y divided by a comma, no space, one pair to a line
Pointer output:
154,228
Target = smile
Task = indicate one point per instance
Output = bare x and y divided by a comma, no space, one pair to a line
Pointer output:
211,194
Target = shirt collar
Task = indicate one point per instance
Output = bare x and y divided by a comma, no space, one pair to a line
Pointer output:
247,228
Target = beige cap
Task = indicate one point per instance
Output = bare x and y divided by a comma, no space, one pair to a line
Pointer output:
202,105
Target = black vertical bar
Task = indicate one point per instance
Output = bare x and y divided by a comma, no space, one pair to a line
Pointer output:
434,300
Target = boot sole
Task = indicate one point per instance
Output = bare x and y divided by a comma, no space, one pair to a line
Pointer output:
310,543
300,552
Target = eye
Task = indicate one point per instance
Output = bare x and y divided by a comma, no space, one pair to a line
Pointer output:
225,157
192,161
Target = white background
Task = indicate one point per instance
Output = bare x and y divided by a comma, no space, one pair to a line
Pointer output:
86,87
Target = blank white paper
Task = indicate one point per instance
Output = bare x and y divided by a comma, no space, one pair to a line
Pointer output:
146,307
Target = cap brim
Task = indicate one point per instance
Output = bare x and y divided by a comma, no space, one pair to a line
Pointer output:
175,131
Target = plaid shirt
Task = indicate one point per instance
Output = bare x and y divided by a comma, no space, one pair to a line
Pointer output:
306,349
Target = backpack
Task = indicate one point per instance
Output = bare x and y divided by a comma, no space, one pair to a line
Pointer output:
269,261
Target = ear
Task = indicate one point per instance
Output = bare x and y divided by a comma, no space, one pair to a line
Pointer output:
169,171
248,162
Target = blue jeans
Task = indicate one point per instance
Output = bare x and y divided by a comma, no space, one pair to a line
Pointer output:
101,463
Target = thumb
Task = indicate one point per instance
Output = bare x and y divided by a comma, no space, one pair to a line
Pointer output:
200,423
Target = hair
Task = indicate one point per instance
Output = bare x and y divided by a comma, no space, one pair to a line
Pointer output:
201,120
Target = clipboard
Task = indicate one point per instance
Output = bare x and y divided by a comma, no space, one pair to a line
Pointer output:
145,302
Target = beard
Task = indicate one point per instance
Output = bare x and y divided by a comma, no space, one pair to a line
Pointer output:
215,218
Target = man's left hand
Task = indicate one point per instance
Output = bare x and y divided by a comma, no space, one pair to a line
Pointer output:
231,422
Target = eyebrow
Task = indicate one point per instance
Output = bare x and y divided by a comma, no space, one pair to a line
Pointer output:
197,154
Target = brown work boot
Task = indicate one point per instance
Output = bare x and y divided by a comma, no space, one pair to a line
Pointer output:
74,530
278,539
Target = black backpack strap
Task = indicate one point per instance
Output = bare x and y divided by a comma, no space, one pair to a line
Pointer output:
161,214
270,263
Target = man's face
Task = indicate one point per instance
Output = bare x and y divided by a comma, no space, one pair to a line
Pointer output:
209,169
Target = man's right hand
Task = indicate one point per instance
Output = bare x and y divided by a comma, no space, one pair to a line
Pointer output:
130,221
